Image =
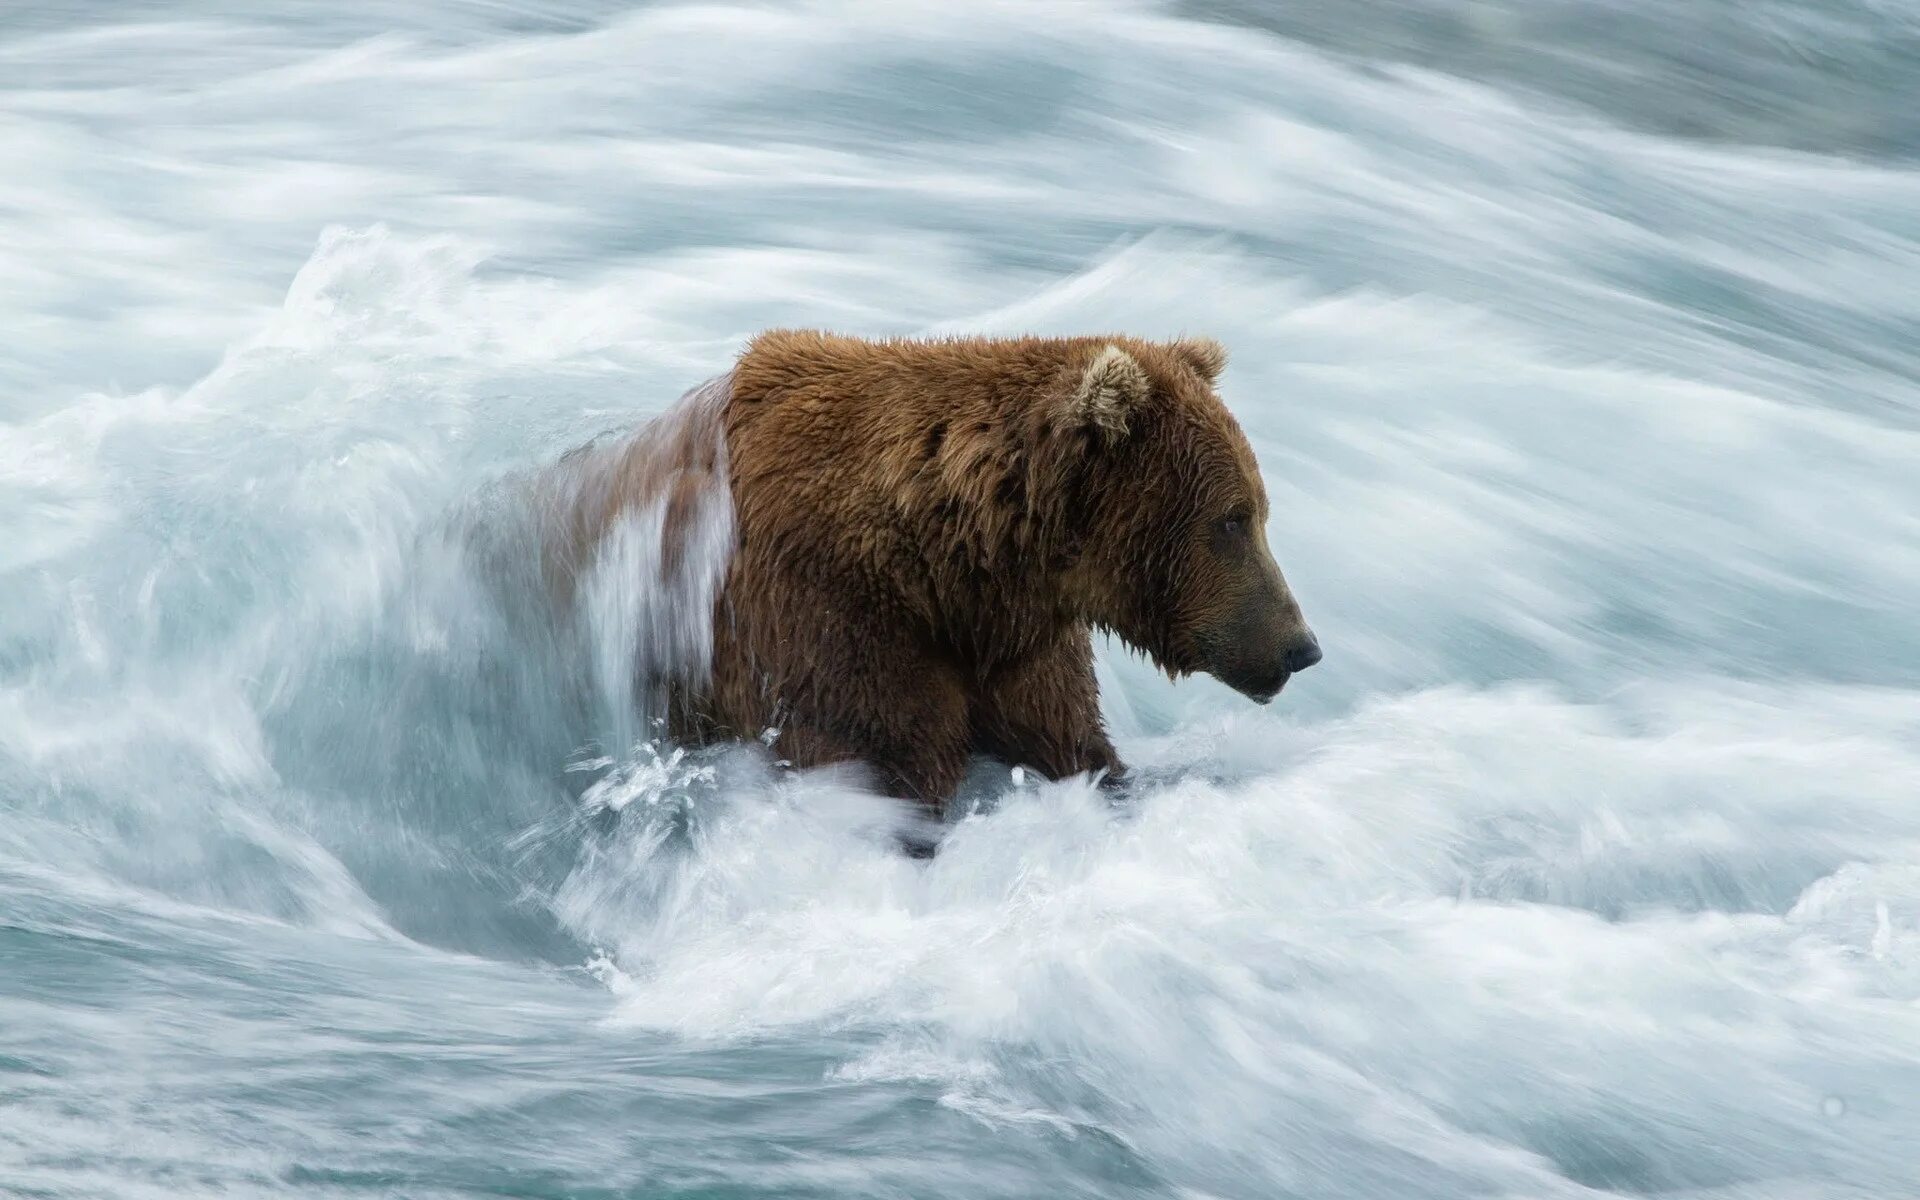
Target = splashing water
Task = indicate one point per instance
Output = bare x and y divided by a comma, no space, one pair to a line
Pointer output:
1579,360
633,535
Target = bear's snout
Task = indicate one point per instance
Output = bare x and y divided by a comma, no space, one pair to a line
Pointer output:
1260,677
1303,653
1264,641
1295,657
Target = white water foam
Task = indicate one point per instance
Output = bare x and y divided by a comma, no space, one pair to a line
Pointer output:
1420,937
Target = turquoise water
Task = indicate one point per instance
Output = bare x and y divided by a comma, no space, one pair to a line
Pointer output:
1581,348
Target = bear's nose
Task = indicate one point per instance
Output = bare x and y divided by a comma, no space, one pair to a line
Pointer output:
1304,654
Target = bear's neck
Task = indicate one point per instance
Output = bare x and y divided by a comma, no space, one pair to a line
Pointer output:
992,600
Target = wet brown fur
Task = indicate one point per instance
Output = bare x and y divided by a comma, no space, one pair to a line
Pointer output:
928,532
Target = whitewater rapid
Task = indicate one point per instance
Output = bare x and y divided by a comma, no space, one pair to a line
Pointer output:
1588,863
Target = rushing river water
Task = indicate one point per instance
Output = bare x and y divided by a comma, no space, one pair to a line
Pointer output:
1581,347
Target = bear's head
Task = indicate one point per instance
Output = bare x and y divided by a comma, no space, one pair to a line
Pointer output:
1171,517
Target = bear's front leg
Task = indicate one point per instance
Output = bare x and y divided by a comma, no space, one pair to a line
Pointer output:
839,680
1043,711
925,769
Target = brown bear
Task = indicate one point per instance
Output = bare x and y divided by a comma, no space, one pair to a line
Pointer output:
925,534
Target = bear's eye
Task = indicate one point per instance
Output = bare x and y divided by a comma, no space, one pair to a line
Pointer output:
1233,526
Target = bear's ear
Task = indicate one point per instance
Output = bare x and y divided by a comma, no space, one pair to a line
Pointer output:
1112,386
1203,354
